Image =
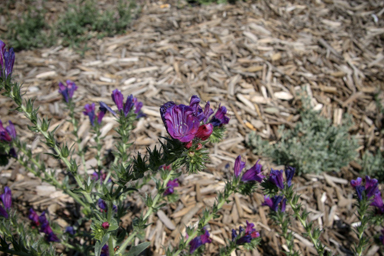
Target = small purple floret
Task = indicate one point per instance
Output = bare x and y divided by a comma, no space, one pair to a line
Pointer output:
239,166
274,202
4,134
276,177
33,217
7,60
11,130
170,187
90,112
70,230
253,174
199,241
118,98
289,173
7,198
220,117
67,90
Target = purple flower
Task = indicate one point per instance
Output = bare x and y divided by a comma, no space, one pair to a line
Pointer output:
249,234
67,90
253,174
104,250
170,185
276,177
33,217
43,218
51,237
207,112
274,203
129,103
102,176
90,112
11,130
70,230
118,98
289,173
239,166
180,121
244,240
12,153
3,212
220,117
4,134
103,110
199,241
378,203
357,182
204,131
197,110
7,198
7,60
102,205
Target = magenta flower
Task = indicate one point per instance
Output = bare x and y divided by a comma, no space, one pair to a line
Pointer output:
180,121
7,60
4,134
6,197
105,225
276,177
239,166
274,203
204,131
67,90
253,174
199,241
170,187
33,217
220,117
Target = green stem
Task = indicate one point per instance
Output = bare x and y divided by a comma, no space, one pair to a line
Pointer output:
75,131
124,245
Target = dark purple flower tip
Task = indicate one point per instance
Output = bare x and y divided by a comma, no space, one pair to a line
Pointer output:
138,106
276,177
204,131
239,166
12,153
4,135
9,59
105,225
104,108
359,191
51,237
7,198
114,208
164,108
267,202
2,51
220,117
199,241
253,174
45,228
289,173
180,122
90,112
129,103
357,182
67,90
102,204
244,240
283,205
207,112
43,218
234,235
33,217
11,130
378,203
170,187
3,212
105,250
70,230
371,187
197,110
118,98
241,230
274,202
94,176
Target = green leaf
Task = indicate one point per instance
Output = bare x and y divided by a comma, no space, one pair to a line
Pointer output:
136,250
99,245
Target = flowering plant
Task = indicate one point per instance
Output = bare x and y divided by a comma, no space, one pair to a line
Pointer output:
100,191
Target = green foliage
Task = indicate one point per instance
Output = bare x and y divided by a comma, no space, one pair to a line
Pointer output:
313,146
30,31
373,165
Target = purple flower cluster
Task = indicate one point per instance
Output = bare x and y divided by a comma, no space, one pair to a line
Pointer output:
7,60
170,187
276,177
130,104
371,191
43,222
90,112
199,241
70,230
6,198
247,236
8,134
67,90
105,250
183,122
252,174
275,202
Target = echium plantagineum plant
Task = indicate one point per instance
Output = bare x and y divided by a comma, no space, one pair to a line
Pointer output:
100,192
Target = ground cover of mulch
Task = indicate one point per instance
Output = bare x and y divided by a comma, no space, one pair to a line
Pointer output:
253,57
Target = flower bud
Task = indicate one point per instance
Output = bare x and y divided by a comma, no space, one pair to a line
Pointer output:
204,131
105,225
